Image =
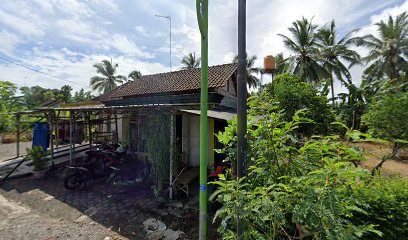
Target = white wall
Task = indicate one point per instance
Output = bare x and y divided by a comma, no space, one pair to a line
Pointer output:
191,139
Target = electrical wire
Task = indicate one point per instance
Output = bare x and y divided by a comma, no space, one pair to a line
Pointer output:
38,71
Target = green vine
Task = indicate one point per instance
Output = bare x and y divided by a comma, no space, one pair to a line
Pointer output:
158,143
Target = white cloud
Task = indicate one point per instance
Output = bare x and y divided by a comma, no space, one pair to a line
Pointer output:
76,68
8,41
20,25
127,47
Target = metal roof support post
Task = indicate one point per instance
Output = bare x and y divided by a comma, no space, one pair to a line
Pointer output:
202,18
18,135
71,126
241,101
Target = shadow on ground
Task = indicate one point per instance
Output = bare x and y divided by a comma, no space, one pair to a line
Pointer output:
121,210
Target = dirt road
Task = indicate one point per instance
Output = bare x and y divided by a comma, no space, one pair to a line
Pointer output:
19,221
8,150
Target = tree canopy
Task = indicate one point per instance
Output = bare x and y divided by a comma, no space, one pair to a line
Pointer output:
107,79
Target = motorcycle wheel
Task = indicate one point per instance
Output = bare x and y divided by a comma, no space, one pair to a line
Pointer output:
73,181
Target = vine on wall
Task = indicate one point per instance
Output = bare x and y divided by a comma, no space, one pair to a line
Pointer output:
158,146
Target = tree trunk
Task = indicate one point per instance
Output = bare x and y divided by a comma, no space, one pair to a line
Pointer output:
395,149
332,91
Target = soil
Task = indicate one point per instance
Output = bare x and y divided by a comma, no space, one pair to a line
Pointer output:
373,152
19,221
8,151
43,209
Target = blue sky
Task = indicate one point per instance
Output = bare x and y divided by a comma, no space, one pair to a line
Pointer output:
64,38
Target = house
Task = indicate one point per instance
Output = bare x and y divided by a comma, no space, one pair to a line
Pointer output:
177,93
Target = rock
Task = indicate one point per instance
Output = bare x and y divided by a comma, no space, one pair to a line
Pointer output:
170,234
162,226
81,219
107,238
49,198
156,235
152,224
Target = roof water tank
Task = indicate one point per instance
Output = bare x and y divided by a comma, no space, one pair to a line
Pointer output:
269,63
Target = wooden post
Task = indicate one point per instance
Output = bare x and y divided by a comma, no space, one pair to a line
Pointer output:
51,131
89,130
172,143
56,129
116,127
71,126
74,133
18,135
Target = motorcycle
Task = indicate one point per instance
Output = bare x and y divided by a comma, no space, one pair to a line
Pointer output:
98,164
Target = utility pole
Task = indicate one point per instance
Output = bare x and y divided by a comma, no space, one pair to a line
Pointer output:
169,18
241,100
202,18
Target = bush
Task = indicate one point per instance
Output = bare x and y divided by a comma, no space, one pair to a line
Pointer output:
37,154
387,118
385,202
292,94
310,190
291,191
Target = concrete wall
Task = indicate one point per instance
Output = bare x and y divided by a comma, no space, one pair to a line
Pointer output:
191,139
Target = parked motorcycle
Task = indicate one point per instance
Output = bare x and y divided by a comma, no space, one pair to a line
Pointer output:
98,164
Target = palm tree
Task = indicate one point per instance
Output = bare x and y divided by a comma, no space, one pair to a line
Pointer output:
282,64
304,61
134,75
333,54
190,61
108,81
389,50
251,71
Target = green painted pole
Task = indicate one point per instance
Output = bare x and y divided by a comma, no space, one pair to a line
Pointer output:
202,18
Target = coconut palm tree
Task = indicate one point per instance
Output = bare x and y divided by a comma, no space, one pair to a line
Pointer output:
333,54
190,61
134,75
304,60
389,50
251,71
282,64
108,80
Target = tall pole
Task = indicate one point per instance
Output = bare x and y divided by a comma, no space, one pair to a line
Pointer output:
202,18
242,99
170,41
169,18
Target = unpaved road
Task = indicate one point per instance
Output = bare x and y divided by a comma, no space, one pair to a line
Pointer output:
8,150
19,221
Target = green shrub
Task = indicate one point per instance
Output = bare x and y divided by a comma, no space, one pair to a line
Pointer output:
37,154
385,202
388,117
289,191
291,94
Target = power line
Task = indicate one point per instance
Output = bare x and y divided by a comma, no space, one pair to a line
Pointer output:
38,71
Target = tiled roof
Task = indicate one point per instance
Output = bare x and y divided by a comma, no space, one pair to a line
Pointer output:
109,95
178,81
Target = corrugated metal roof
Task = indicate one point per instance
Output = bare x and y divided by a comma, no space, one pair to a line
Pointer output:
213,114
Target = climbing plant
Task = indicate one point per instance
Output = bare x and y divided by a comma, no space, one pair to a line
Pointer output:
158,146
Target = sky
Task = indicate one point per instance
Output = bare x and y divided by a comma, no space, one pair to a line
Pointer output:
52,43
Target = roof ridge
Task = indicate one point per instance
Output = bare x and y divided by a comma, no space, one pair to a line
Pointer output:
183,70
